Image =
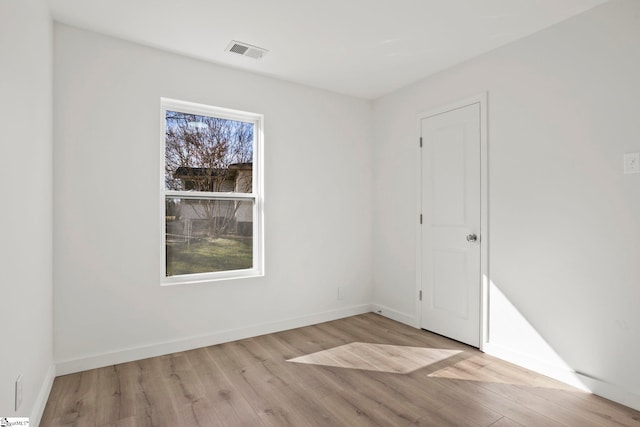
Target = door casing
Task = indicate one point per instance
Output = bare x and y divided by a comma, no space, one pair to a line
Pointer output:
481,99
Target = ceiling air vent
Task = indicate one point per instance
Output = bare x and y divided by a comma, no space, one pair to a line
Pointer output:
245,49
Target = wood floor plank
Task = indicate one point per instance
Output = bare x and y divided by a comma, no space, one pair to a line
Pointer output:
110,409
246,383
468,413
505,405
601,410
505,422
77,405
516,384
184,392
135,397
310,379
479,374
230,407
272,372
252,383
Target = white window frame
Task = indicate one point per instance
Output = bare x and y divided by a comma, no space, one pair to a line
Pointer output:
256,196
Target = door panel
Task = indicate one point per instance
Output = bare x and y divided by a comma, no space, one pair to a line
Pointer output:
451,276
449,283
447,166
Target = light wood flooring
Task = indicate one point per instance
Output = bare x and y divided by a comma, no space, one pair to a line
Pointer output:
252,383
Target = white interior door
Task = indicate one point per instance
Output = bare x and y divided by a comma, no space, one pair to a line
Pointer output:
450,237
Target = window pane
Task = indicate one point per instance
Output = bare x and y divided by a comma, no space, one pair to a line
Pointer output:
205,236
204,153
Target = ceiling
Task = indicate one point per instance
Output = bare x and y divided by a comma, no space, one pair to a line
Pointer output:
363,48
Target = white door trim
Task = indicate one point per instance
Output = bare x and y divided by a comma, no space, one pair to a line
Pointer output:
484,209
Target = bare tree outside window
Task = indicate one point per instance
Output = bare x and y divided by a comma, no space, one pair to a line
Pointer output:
203,153
206,156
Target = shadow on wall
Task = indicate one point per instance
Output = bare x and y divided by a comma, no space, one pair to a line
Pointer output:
514,339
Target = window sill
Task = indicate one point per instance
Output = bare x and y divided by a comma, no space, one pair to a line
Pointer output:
192,279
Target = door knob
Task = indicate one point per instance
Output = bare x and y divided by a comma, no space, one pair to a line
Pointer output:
472,238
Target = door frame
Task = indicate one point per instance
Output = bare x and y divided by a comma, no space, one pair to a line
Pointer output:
482,100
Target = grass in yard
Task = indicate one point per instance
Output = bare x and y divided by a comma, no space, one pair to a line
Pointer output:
207,255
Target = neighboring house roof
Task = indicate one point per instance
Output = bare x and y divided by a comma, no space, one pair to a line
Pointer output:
216,179
186,172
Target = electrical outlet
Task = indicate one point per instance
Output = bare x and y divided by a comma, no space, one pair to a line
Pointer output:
340,293
18,392
632,163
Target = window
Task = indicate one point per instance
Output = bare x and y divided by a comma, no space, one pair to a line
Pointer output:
211,193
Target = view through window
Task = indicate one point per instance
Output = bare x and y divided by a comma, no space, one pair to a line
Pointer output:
211,193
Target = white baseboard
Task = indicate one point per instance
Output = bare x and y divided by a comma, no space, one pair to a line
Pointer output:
610,391
398,316
70,366
557,372
566,375
43,396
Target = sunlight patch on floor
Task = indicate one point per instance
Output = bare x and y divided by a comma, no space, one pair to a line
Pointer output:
377,357
515,339
480,369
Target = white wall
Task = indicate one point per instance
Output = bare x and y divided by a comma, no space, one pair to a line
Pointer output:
108,302
25,215
564,106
